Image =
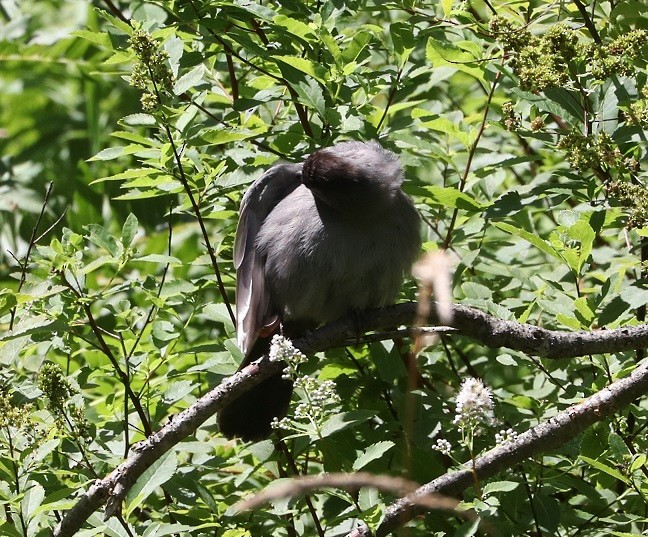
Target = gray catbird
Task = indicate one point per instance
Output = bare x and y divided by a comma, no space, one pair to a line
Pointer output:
315,241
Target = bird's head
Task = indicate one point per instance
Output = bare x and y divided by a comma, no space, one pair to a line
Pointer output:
353,175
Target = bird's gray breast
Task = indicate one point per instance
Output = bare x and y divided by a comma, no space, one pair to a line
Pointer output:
319,267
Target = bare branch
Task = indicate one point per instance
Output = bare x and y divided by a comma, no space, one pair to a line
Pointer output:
298,486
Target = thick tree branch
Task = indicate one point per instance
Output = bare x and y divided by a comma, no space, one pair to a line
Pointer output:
484,328
469,322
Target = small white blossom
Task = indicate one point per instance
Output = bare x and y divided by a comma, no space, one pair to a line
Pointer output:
282,349
505,435
281,424
443,446
474,405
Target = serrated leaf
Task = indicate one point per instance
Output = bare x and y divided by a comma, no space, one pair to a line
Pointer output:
500,486
605,469
163,331
618,446
128,174
444,54
301,64
189,80
159,258
372,453
536,241
32,500
218,312
31,325
449,197
100,236
343,420
177,390
139,119
116,22
112,153
294,27
222,136
129,230
638,461
99,38
159,473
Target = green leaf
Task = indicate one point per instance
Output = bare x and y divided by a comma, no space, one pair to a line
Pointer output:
500,486
310,93
618,447
177,390
294,27
373,452
159,473
344,420
220,136
32,500
139,119
449,197
99,38
128,174
189,80
582,231
547,511
129,230
159,258
445,54
605,469
100,236
301,64
535,240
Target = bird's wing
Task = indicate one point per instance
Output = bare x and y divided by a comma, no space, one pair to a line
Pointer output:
253,305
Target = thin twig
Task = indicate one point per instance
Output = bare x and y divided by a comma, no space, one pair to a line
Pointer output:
105,348
32,243
471,155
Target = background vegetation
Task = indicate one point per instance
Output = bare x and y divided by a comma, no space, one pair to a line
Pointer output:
128,132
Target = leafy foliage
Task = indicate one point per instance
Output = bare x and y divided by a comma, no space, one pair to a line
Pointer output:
521,127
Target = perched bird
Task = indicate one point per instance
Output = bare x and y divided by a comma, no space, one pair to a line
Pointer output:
315,241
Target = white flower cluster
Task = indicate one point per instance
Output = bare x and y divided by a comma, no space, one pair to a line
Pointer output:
443,446
505,435
317,398
474,405
281,348
319,395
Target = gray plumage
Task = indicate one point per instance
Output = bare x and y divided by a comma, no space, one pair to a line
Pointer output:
314,243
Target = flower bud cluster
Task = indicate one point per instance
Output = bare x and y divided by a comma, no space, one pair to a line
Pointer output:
637,112
282,349
505,435
59,393
319,396
151,73
558,57
635,198
594,151
442,446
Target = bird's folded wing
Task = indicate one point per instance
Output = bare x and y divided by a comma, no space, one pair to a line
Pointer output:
253,306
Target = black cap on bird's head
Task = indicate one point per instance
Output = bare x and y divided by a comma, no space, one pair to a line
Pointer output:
353,174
